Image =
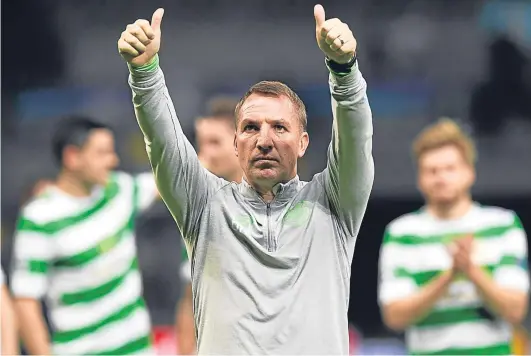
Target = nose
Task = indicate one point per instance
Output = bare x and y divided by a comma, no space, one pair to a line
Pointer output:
265,142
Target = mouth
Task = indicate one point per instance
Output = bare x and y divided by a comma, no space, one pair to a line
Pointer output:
265,159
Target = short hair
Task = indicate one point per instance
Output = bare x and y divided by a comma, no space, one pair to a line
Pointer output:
277,90
73,131
445,132
221,108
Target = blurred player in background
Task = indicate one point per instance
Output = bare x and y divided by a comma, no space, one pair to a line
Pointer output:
214,133
74,246
454,273
215,146
9,329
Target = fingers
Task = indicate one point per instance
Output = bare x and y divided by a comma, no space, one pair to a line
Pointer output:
348,46
328,25
338,36
125,48
139,33
452,248
465,243
461,253
156,20
133,41
145,26
319,15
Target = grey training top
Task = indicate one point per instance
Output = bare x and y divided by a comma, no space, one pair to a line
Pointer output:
267,278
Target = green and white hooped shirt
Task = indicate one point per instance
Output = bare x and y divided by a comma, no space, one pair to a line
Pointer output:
79,254
414,252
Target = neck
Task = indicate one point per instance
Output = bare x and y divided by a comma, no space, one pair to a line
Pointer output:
236,177
268,195
266,189
452,210
70,184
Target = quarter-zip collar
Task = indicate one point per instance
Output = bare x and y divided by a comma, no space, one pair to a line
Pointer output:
282,191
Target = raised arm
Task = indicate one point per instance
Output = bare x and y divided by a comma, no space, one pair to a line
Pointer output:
349,175
182,182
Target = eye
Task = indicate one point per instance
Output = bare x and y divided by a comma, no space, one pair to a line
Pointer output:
250,127
280,128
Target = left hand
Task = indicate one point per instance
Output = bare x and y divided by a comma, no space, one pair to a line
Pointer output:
334,37
461,250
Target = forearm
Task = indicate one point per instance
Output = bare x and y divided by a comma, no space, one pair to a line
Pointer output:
181,180
9,326
509,304
352,139
399,314
33,328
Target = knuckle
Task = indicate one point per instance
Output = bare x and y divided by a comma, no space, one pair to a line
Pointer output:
134,29
141,22
332,35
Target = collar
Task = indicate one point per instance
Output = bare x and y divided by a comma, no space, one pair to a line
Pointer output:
282,191
474,209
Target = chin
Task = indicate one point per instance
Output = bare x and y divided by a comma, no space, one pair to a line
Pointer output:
265,174
443,199
103,180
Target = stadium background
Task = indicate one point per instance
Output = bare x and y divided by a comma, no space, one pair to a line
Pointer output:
422,59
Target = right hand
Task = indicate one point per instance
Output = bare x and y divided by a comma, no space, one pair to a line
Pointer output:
461,251
140,41
334,37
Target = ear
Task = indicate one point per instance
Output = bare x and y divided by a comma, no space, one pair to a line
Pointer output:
417,165
471,177
236,143
303,144
71,157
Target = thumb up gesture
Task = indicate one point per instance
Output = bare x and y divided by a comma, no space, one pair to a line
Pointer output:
140,41
334,37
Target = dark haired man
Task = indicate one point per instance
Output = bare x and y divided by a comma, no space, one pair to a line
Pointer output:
74,246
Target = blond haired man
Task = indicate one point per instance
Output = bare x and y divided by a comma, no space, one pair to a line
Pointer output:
453,275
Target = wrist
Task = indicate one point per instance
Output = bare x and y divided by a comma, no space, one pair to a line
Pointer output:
448,276
473,272
341,69
150,66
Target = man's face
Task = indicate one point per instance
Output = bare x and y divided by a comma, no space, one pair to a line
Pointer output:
97,158
444,176
215,139
269,140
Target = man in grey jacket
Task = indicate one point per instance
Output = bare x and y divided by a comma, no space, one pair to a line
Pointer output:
270,256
